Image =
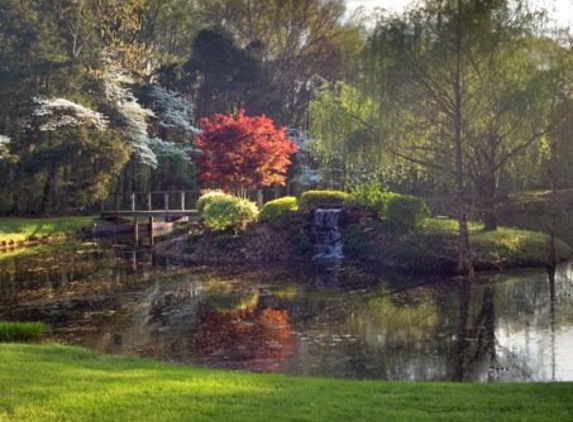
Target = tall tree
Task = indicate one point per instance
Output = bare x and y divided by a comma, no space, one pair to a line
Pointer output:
303,42
462,88
495,94
67,67
225,78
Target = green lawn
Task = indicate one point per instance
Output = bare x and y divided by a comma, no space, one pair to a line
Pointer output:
502,247
57,383
21,229
434,247
532,210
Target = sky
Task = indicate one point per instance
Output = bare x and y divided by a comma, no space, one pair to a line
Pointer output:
561,10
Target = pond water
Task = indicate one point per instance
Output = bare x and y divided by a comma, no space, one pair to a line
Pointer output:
347,323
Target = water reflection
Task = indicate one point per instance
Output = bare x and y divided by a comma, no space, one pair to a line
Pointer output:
512,327
551,279
256,340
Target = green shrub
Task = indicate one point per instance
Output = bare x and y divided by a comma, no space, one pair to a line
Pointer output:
318,198
355,243
406,212
21,331
274,209
371,197
226,212
207,198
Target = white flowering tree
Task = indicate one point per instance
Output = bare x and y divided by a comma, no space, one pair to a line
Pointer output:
134,117
57,113
4,147
173,113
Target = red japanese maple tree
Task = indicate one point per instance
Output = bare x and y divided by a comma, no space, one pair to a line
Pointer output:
243,152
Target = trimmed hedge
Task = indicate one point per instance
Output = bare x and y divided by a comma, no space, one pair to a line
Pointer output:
227,212
21,331
278,207
406,212
207,198
317,198
370,197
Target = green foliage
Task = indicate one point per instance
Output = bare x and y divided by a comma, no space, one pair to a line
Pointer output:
51,383
406,212
20,229
64,172
344,144
227,212
317,198
21,331
355,242
174,171
433,248
532,210
371,197
278,207
216,57
207,198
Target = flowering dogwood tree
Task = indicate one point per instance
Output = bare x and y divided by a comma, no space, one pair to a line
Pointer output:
241,152
173,112
60,112
135,117
4,141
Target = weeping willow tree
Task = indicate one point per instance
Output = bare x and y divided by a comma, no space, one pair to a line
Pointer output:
345,138
463,89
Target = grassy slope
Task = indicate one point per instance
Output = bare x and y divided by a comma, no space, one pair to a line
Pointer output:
435,248
21,229
531,210
56,383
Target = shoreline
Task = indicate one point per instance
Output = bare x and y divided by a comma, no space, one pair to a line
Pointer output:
429,251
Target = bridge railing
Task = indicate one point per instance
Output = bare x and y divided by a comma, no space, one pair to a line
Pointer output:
173,200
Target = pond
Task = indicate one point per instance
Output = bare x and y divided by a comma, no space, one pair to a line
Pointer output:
346,323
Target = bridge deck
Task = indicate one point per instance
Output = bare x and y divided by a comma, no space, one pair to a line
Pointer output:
160,204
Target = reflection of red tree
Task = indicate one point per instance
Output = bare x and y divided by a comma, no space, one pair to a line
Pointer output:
251,339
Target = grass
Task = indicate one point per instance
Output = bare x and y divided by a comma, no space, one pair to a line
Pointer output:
56,383
21,331
532,209
40,249
22,229
434,248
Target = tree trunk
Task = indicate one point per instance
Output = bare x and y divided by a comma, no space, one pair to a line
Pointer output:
464,258
488,186
464,296
553,174
552,255
465,266
488,203
49,188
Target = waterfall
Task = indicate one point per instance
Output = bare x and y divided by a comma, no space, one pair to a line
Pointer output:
328,238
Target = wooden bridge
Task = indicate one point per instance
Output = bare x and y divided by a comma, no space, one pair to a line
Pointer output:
165,205
169,206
